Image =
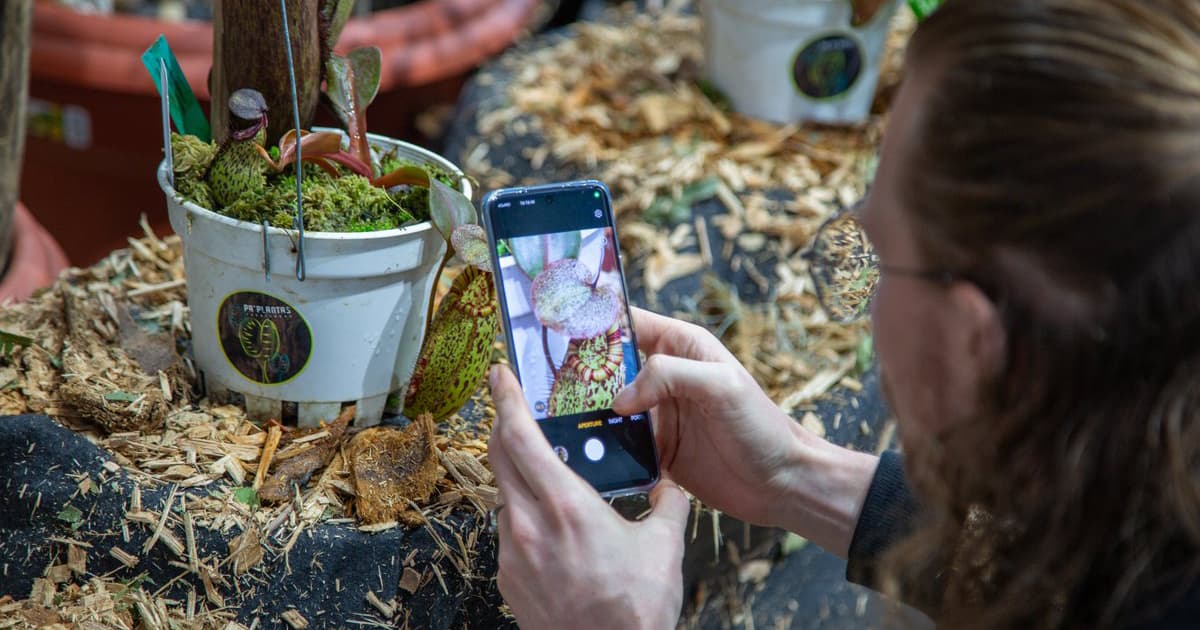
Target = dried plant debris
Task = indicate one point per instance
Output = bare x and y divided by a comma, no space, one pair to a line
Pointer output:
625,100
103,602
393,470
106,335
101,381
305,452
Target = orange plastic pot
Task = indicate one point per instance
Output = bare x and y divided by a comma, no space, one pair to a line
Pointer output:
94,136
36,259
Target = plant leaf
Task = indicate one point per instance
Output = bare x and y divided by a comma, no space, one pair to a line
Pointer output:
565,301
337,13
405,174
448,208
317,147
792,543
71,515
351,83
246,495
471,246
368,66
9,342
533,252
120,396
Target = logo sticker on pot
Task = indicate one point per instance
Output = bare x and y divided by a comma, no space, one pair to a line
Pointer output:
263,337
828,67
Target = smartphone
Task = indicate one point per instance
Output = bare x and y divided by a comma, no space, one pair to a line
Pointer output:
566,319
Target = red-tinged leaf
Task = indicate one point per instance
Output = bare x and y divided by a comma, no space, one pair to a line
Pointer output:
324,164
321,143
448,208
351,83
408,174
349,161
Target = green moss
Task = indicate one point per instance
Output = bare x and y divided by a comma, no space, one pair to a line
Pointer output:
347,203
415,199
191,155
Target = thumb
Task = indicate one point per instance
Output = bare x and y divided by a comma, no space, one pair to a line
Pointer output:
669,505
506,390
664,377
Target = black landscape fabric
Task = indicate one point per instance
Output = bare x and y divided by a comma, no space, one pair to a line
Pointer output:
325,577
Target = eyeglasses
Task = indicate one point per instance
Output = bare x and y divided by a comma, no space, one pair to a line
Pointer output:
845,269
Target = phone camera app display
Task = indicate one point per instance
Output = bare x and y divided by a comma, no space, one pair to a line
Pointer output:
570,339
570,328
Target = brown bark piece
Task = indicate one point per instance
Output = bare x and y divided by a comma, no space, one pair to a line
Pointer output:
246,550
295,471
392,468
16,19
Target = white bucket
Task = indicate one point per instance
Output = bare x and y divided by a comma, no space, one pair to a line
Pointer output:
795,60
349,333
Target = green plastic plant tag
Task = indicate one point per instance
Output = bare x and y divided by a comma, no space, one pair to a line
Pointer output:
186,112
922,8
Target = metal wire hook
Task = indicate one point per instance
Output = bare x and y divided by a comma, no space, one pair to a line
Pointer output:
299,220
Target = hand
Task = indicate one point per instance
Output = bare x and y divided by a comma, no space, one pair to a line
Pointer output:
718,433
567,559
723,439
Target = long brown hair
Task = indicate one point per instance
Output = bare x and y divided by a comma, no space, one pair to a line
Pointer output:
1057,166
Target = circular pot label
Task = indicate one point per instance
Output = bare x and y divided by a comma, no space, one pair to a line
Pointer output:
264,338
828,67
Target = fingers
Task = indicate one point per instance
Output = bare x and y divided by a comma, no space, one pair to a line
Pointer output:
657,334
670,506
665,377
517,435
514,491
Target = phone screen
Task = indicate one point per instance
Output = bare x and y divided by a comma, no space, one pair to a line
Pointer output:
566,317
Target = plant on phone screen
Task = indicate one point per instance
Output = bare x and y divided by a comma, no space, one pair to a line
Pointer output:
569,301
591,374
532,253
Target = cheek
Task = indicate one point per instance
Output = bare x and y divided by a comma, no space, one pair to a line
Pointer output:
912,367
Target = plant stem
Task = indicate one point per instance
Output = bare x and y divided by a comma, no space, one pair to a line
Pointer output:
437,278
599,270
546,350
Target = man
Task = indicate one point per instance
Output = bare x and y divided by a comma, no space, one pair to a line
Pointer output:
1036,222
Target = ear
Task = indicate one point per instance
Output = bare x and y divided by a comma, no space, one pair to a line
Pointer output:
978,339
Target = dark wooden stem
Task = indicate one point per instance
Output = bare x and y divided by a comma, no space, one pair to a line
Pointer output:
546,349
248,53
16,19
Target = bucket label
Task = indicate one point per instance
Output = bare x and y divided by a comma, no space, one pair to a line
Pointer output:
828,67
263,337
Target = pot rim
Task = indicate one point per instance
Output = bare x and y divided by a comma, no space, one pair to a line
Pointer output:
416,228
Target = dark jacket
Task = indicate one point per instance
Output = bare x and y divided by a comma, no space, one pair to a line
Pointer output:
888,514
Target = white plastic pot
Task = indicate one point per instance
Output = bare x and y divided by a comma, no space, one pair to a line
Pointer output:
349,333
795,60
